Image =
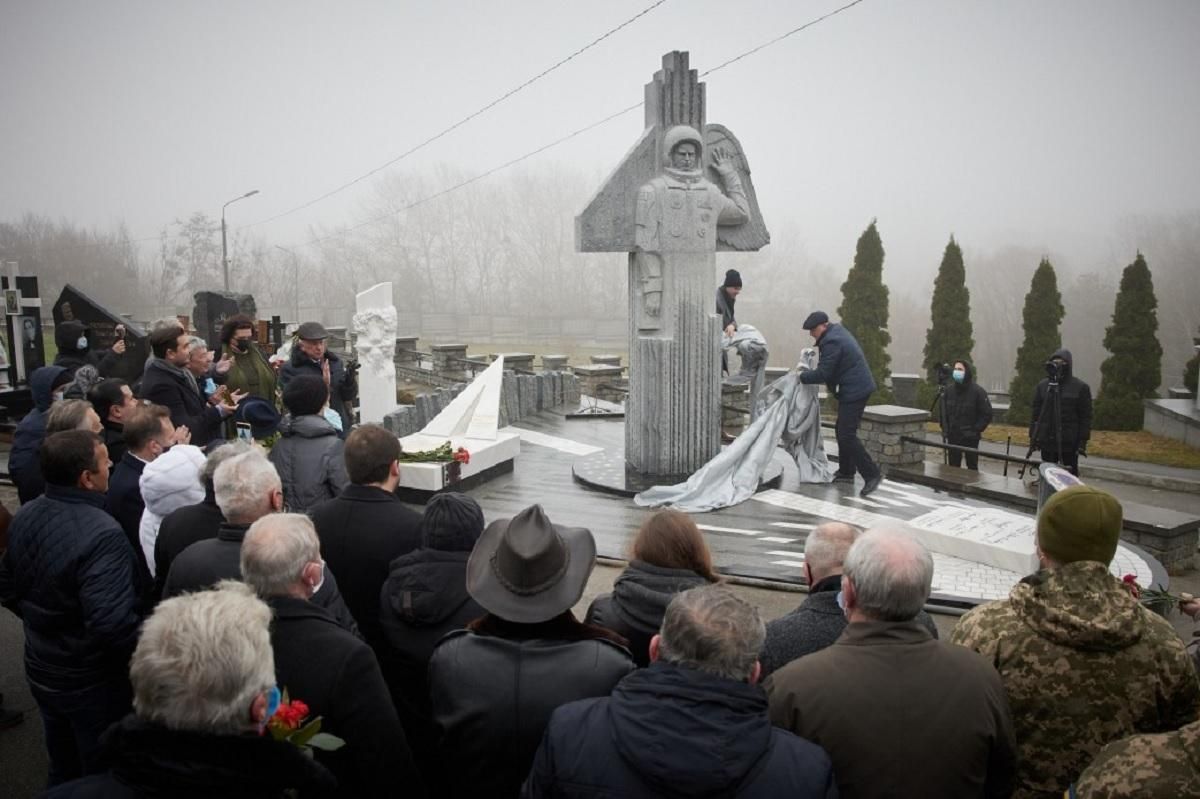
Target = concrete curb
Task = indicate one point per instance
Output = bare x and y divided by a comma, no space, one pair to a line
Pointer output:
1140,478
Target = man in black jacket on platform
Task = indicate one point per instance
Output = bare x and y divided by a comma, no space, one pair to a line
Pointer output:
694,723
311,356
320,663
968,413
69,574
1072,410
844,371
367,527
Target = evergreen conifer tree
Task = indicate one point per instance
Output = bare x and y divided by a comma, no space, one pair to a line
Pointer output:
950,335
1133,371
864,309
1041,317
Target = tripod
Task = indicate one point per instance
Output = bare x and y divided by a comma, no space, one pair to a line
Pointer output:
940,403
1053,404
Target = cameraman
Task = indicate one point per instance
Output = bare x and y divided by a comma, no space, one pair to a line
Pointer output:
1074,414
968,413
311,356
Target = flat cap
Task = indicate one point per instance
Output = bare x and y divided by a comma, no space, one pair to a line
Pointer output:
815,318
312,331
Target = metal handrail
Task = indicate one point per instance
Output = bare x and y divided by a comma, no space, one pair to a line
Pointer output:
982,452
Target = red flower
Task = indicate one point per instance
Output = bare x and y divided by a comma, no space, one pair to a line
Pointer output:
462,456
290,715
1130,582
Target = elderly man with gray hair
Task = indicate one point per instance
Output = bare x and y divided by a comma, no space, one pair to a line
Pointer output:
694,723
899,712
321,663
247,488
819,620
203,687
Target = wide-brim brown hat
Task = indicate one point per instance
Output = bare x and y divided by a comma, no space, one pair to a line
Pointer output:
527,569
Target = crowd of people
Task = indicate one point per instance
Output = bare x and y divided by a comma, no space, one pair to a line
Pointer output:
180,608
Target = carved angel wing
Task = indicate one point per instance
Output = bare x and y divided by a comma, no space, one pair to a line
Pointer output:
750,235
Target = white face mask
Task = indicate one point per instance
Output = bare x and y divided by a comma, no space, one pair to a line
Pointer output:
81,343
333,417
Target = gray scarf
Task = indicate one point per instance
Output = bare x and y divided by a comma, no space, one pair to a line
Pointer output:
178,371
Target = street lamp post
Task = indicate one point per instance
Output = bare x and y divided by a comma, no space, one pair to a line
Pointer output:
224,246
295,279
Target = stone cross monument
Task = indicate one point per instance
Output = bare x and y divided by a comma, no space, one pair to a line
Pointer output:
682,193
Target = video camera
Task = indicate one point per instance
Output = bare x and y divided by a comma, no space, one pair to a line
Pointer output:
943,373
1056,371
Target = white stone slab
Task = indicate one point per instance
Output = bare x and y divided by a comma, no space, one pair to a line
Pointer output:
989,536
566,445
432,476
375,325
736,530
475,412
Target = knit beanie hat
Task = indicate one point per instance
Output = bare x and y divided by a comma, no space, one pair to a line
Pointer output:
305,395
1080,523
452,523
733,279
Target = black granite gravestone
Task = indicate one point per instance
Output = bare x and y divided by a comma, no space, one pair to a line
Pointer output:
214,307
73,305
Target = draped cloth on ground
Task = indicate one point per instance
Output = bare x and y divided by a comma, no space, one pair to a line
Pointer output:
792,416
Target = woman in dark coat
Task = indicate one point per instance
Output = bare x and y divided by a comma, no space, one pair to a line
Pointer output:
668,556
425,597
251,372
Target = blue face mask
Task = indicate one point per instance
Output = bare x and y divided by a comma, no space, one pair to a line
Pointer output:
334,418
81,343
209,386
841,601
959,375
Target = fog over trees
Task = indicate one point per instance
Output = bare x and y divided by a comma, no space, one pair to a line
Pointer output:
505,246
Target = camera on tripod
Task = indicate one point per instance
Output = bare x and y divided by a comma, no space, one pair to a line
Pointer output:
943,373
1056,370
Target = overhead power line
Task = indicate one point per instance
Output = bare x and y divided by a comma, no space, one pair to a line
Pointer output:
464,120
572,135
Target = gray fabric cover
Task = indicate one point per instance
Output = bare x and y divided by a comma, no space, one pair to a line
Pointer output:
792,416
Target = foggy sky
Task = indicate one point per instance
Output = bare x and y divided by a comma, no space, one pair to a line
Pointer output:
1014,122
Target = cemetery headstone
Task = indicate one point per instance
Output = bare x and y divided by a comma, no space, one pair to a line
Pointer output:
73,305
214,307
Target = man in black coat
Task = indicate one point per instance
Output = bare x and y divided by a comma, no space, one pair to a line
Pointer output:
694,723
148,434
247,488
1065,401
820,620
168,382
185,526
968,412
320,663
367,527
113,401
311,356
69,574
843,369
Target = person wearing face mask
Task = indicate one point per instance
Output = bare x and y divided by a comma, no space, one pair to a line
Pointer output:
47,385
968,413
250,371
247,488
335,672
309,453
74,340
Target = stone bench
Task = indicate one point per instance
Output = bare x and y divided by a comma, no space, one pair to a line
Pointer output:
597,381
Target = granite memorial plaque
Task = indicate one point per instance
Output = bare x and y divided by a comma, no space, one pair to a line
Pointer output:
214,307
73,305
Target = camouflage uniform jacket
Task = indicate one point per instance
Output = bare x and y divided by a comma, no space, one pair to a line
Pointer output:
1146,765
1083,664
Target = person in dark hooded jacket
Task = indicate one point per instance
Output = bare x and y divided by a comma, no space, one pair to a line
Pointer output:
1072,411
310,356
692,724
74,341
46,386
308,454
668,556
424,598
968,412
